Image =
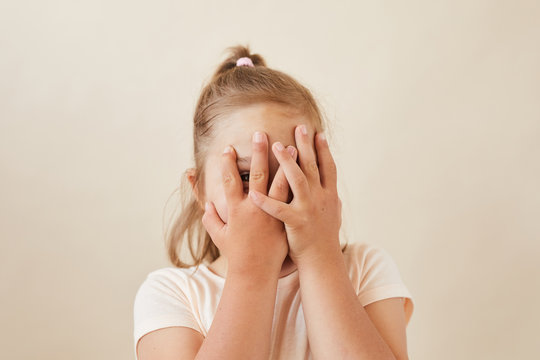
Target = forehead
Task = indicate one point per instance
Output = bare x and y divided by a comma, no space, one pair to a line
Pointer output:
277,121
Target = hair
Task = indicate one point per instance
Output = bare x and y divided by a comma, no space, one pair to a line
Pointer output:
230,88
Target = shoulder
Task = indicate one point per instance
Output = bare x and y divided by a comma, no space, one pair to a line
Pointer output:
165,286
375,275
167,279
170,273
366,257
164,299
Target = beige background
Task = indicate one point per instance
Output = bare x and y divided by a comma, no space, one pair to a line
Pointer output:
435,114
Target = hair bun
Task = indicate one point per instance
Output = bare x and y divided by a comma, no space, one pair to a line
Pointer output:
244,61
236,53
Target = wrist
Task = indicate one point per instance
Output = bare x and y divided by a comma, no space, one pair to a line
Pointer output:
258,271
318,257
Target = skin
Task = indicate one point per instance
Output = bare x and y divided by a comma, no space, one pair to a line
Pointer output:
311,219
277,124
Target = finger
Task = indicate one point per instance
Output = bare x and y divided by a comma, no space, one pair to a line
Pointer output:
279,189
295,177
232,183
211,221
258,173
306,153
327,165
272,207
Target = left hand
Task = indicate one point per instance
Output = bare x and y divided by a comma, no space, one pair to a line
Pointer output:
313,218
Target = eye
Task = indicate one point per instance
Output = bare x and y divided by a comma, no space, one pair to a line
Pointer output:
244,177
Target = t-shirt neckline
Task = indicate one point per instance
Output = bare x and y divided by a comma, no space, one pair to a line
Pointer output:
284,281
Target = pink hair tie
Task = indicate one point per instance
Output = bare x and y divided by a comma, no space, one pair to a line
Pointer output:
244,61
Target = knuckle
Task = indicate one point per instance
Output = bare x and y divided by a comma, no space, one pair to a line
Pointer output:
228,179
257,176
312,166
303,219
299,179
279,211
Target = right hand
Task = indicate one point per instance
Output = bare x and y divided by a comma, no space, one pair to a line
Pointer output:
251,239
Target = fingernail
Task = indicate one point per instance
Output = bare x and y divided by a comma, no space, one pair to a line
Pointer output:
258,137
253,195
291,150
207,206
322,136
279,146
228,149
303,129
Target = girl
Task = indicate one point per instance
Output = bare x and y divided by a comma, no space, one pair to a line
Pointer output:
270,278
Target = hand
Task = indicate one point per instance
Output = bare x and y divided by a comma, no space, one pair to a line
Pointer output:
313,217
251,239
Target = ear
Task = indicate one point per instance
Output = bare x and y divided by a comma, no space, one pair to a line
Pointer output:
191,174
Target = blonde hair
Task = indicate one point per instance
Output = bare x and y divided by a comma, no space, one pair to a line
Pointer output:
231,87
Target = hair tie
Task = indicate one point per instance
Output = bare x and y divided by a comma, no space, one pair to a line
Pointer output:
244,61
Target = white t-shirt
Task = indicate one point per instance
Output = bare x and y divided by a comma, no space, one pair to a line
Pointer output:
174,296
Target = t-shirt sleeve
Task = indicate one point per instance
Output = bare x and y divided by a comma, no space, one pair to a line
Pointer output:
160,302
380,279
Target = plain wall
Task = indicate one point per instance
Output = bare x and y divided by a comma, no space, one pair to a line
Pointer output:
435,116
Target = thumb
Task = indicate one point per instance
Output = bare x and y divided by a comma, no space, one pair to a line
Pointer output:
211,220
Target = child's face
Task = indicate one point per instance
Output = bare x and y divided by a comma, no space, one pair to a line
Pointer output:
272,119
